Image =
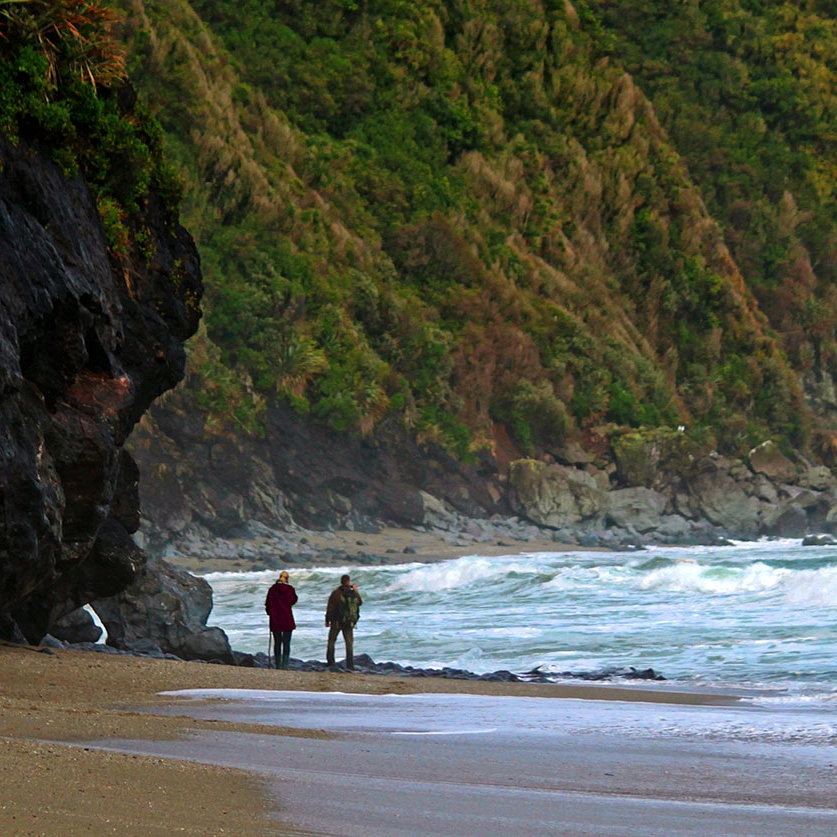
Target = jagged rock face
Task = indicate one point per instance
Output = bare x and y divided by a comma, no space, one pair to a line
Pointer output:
302,472
553,495
86,343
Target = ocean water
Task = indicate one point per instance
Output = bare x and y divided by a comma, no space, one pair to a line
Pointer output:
751,616
755,620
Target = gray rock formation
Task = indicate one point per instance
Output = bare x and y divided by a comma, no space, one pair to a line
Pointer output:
721,498
554,495
301,474
651,486
168,606
76,627
640,508
697,499
767,459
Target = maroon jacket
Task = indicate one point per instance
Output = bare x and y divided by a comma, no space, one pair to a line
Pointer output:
280,599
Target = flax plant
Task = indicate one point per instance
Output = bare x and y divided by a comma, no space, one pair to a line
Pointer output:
74,36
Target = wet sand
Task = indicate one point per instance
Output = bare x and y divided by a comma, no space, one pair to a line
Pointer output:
176,779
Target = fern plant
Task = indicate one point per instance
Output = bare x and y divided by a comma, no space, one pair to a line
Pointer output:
62,79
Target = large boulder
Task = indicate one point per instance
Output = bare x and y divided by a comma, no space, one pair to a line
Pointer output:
651,457
436,514
722,500
818,478
169,607
77,626
769,460
785,521
554,495
674,528
638,508
829,525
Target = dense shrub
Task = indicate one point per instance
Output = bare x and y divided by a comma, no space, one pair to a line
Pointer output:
62,88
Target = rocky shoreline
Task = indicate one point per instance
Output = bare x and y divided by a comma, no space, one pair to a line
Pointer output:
364,664
206,496
648,497
258,547
165,612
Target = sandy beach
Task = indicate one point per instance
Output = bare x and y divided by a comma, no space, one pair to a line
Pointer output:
55,701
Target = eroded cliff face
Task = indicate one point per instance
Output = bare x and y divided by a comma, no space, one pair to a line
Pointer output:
87,341
209,494
198,479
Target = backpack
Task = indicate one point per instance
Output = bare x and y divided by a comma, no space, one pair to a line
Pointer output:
348,611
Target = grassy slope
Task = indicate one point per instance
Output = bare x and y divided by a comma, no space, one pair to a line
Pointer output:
746,90
461,214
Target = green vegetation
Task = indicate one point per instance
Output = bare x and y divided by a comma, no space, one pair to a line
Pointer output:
60,74
747,93
461,214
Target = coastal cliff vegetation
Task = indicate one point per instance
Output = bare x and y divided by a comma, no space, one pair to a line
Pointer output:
522,220
63,89
528,215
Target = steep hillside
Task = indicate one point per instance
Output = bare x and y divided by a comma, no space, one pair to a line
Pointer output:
458,215
746,91
442,238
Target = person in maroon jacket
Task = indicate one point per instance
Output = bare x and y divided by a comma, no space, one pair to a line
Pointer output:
279,607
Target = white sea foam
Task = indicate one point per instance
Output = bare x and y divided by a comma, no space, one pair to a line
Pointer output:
461,572
436,714
812,587
688,576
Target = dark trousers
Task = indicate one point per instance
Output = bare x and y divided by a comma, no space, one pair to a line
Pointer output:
282,647
348,632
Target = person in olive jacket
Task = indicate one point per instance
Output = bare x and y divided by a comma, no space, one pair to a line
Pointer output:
279,607
342,613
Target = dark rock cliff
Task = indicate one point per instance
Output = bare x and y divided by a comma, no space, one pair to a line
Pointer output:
208,493
302,473
87,341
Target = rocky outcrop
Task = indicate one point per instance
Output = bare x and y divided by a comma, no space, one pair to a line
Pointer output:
76,627
196,479
641,508
553,495
171,608
207,495
87,341
768,459
696,499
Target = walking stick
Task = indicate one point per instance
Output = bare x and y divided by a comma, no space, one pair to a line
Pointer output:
270,650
